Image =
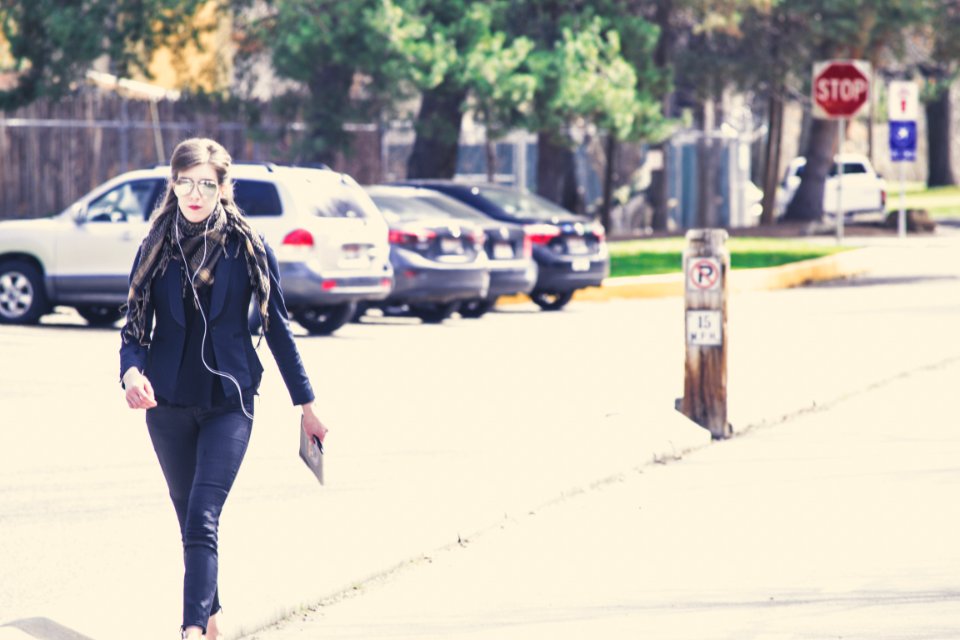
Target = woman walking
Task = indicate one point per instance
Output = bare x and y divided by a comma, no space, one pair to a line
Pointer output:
187,358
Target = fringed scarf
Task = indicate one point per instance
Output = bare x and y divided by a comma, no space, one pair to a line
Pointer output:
160,246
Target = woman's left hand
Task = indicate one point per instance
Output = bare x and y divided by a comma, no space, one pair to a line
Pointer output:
311,423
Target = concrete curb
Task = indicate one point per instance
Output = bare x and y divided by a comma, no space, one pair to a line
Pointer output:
840,265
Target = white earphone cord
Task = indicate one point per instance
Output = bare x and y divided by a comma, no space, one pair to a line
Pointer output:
196,298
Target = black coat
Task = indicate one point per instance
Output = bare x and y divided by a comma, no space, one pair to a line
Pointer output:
228,330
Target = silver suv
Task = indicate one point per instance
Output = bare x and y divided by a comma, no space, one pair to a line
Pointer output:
329,238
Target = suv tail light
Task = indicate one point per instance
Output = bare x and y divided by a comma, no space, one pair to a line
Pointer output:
298,238
599,231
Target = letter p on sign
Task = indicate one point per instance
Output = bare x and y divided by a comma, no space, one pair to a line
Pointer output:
841,88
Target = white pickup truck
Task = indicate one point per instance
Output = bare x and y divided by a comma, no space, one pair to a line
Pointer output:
863,190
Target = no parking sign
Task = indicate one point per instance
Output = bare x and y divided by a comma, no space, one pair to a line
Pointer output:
703,274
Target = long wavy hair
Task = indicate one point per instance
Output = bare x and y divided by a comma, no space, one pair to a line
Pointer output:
156,250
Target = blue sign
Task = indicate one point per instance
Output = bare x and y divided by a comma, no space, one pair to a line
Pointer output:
903,140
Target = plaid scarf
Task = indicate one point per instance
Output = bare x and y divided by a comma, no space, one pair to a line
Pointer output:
160,246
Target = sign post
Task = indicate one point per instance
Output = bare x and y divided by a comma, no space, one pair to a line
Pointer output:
841,88
706,263
902,112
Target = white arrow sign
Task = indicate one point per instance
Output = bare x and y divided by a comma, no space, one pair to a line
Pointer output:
902,101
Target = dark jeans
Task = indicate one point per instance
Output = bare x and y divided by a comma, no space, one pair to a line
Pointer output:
200,451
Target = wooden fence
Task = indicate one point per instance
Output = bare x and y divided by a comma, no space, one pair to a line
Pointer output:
53,152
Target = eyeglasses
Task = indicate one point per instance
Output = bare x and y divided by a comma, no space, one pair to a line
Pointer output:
183,187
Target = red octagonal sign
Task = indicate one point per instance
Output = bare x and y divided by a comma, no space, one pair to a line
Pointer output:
840,88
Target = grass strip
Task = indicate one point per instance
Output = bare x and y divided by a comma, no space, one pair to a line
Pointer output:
665,255
940,202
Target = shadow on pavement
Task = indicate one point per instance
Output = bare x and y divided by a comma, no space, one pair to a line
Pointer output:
45,629
868,281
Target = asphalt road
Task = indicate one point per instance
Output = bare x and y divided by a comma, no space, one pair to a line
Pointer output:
438,432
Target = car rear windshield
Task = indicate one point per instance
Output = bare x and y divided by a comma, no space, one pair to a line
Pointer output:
849,168
524,205
401,208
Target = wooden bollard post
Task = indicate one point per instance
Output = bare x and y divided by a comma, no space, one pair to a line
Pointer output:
706,263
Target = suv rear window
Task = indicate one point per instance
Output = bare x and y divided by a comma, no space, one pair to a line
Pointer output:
257,198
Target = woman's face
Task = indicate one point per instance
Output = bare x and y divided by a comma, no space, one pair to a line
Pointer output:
197,192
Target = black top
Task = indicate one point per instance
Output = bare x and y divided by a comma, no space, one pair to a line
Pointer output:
228,335
196,385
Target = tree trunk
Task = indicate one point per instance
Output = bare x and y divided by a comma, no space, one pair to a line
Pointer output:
663,56
556,172
807,203
325,113
438,133
608,179
490,148
707,163
938,141
771,156
658,200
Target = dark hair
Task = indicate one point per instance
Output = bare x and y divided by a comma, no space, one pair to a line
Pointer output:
190,153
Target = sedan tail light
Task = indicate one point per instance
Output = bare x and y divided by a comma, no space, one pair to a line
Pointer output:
477,238
541,233
400,236
298,238
527,246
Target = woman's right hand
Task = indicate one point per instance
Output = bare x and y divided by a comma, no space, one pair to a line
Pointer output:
139,391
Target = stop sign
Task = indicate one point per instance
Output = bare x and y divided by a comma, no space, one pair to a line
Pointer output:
840,88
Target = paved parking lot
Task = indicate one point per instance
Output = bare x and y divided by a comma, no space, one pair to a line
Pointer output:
439,432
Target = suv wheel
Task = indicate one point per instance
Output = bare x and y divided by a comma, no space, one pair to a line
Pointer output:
551,301
322,321
477,307
434,312
22,297
99,315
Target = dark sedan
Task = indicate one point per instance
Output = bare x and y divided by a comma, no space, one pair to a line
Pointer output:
509,250
438,262
570,250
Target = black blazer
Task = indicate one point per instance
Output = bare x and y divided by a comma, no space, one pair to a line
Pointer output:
228,330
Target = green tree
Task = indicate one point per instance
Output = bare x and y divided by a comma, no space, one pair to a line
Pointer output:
939,69
585,76
696,40
473,63
353,61
52,43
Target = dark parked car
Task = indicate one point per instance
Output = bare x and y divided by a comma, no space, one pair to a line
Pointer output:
438,263
509,251
570,250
